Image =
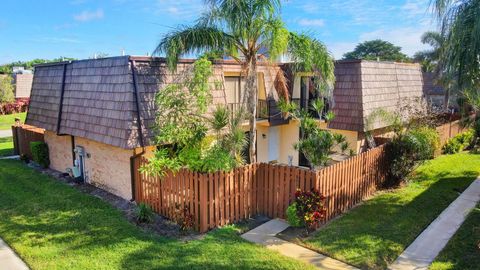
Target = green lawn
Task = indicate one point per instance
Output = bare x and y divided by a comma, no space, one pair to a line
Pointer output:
463,250
6,146
54,226
372,235
6,121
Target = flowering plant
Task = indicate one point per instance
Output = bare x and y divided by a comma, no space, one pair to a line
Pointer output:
310,207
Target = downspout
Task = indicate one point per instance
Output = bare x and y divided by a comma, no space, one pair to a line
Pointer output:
60,105
139,126
73,149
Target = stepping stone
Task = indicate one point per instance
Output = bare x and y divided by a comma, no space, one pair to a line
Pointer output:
426,247
265,235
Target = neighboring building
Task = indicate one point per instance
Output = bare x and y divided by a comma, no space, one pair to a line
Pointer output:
98,113
23,84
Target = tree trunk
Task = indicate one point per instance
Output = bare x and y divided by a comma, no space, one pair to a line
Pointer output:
251,89
446,98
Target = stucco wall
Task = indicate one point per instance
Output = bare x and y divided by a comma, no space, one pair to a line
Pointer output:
108,167
289,135
60,151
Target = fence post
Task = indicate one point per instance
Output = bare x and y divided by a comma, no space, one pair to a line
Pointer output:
203,203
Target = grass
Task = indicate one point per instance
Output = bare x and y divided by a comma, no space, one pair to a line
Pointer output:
373,235
463,250
53,226
6,121
6,146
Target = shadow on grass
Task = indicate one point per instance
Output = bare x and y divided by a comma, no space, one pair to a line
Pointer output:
373,235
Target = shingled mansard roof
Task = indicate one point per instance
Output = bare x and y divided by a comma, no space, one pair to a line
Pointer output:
99,98
362,87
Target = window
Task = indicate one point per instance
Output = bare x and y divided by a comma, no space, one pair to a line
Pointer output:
234,89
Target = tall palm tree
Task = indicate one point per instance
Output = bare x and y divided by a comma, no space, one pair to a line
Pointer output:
460,27
432,61
248,31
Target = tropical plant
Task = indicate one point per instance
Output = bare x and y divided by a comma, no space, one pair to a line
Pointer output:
144,213
432,61
459,143
183,126
249,32
377,50
459,24
315,143
310,207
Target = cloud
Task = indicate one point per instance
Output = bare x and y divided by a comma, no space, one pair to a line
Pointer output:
181,9
55,40
338,49
87,15
311,22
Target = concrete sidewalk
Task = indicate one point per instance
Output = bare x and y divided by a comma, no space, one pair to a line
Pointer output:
5,133
265,235
9,259
422,252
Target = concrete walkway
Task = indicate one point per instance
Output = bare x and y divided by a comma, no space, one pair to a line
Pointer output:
9,259
265,235
5,133
421,253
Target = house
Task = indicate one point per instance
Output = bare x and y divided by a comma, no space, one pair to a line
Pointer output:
98,113
23,84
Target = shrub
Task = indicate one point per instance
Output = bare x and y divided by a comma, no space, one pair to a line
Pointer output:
144,213
407,149
310,207
292,217
184,217
40,153
459,143
17,106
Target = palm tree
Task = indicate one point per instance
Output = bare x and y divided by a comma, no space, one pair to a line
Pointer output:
432,61
460,27
248,31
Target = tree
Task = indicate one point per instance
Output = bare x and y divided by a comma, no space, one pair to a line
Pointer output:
182,126
377,50
6,89
248,31
432,61
459,24
7,68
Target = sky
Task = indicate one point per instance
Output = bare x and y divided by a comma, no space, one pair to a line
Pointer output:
81,28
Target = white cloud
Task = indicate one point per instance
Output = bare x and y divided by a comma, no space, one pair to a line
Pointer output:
311,22
87,15
338,49
415,8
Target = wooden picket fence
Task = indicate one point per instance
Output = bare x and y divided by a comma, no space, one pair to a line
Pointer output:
449,130
23,135
220,198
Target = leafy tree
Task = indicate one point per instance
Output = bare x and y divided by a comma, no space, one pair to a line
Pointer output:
183,122
248,31
377,49
6,89
459,23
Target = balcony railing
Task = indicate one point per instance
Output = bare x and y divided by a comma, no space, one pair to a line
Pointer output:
262,108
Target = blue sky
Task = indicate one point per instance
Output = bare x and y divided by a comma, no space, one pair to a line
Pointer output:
81,28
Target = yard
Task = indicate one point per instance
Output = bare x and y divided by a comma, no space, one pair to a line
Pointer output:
53,226
372,235
6,121
463,250
6,146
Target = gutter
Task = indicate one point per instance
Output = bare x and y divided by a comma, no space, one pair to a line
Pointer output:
139,126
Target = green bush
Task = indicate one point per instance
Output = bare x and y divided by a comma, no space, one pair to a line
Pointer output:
292,217
407,149
40,153
459,143
144,213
